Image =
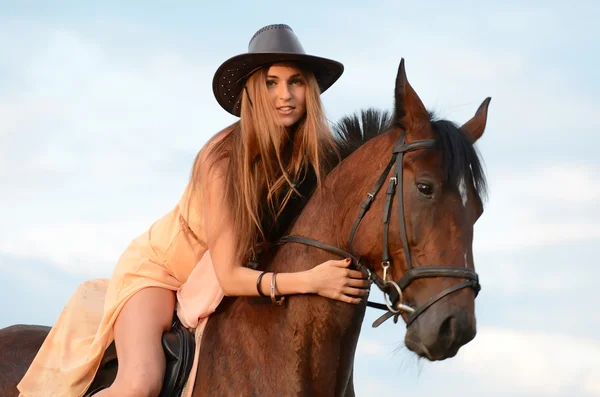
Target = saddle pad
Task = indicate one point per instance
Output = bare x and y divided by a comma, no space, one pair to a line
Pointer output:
188,389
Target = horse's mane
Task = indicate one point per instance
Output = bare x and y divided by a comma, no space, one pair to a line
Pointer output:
460,156
353,131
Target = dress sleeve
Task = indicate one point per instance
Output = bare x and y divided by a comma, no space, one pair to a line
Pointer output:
201,293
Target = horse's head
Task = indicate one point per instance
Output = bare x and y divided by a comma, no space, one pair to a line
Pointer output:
424,259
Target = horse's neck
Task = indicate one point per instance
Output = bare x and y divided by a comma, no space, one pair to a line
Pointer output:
317,221
325,331
331,212
310,341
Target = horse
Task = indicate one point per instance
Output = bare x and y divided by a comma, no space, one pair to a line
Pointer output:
413,241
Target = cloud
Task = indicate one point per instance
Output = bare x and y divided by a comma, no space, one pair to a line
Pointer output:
373,386
37,290
541,105
509,360
577,183
499,361
90,249
549,204
543,278
368,347
96,141
79,109
534,247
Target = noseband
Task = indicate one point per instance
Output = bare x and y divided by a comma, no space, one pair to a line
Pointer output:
392,290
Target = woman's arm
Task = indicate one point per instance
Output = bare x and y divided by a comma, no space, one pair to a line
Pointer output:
331,279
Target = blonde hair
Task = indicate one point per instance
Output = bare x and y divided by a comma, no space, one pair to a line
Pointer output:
266,162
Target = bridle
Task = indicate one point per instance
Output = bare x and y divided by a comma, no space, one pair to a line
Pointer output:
392,290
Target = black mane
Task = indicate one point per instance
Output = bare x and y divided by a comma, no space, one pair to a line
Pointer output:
353,131
460,157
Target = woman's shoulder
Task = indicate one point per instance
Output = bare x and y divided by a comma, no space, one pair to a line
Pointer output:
210,165
215,153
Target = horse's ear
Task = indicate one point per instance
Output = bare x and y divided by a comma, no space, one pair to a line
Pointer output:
475,127
408,109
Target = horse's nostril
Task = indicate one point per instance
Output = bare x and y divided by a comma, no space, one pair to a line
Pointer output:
447,332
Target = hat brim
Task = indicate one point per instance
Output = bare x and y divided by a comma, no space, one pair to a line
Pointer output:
230,77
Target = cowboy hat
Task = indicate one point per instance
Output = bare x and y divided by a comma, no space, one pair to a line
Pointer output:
271,44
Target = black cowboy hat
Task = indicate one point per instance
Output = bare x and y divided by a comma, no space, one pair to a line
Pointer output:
273,43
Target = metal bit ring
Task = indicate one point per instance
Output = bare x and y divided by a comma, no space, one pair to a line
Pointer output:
401,307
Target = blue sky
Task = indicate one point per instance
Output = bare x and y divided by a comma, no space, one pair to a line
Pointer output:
103,108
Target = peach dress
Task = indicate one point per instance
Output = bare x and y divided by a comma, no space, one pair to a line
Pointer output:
172,254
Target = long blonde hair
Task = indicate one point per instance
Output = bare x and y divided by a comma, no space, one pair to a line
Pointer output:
266,162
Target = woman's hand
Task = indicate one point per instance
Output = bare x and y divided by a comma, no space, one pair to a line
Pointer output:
333,279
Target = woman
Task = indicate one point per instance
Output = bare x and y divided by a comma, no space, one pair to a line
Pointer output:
247,183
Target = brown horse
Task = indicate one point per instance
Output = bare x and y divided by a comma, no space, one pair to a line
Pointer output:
421,256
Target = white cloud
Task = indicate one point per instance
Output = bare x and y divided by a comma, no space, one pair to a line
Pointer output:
367,347
77,108
567,183
95,142
373,386
517,233
509,360
507,278
499,361
545,205
90,249
454,68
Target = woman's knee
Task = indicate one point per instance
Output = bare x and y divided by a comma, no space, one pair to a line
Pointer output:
142,385
138,332
150,307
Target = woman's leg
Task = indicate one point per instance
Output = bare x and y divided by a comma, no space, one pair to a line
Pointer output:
138,339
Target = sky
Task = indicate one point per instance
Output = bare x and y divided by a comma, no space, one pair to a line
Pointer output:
104,106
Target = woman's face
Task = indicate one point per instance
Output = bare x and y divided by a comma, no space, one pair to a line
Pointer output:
287,89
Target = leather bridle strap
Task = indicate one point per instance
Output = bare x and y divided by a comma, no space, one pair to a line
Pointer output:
435,271
337,251
465,284
399,150
366,204
317,244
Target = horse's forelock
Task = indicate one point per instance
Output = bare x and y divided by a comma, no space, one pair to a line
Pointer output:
461,159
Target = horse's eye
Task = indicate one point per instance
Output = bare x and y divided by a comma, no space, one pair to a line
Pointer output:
425,189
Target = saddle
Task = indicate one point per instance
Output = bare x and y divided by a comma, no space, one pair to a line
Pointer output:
178,344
